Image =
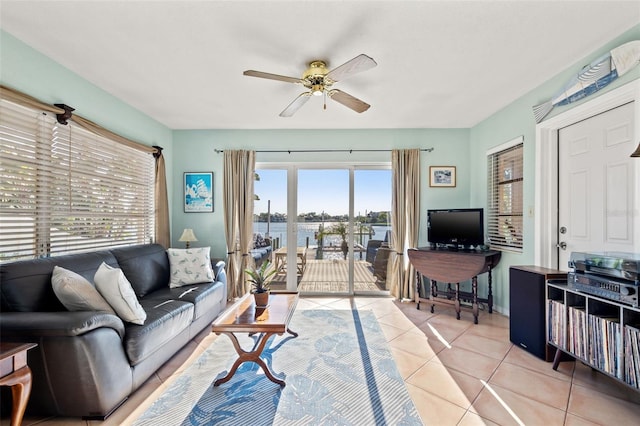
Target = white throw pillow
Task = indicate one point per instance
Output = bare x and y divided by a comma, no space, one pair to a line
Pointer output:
117,290
189,266
76,293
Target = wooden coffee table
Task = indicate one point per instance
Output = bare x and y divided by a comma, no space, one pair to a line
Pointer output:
244,317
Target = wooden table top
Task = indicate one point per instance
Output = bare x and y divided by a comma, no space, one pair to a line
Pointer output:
282,251
452,266
243,316
8,349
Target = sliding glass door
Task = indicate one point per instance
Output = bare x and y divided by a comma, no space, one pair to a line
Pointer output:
372,227
328,226
323,223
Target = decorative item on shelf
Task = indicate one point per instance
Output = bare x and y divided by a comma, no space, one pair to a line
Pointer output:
636,153
260,280
593,77
188,236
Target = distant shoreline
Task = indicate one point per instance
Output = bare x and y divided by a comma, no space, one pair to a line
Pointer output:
325,221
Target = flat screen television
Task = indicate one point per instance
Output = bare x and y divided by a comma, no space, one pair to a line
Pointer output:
456,227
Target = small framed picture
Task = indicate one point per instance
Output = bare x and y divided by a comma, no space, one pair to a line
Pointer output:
442,176
198,192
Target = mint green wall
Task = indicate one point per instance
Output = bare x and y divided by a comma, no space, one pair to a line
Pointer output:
517,119
195,151
25,69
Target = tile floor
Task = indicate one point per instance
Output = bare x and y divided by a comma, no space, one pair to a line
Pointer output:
456,372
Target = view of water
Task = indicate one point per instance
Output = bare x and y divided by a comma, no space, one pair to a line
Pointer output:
309,229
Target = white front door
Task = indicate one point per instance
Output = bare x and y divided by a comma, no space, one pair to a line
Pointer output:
597,185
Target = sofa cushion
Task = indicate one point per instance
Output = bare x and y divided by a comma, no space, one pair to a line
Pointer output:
146,267
205,296
76,293
165,319
189,266
26,284
117,291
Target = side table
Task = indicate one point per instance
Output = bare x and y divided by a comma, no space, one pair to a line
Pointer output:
15,372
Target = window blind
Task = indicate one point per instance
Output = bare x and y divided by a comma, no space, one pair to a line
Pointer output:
65,189
504,200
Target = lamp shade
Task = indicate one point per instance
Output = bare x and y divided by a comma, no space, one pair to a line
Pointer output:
188,235
636,153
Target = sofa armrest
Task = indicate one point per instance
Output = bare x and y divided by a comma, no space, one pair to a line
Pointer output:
24,325
219,272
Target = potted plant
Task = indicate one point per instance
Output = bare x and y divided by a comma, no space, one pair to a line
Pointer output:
342,230
260,280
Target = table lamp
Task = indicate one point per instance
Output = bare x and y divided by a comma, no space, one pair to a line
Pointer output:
188,236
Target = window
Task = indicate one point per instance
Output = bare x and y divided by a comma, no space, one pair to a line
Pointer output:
64,189
505,182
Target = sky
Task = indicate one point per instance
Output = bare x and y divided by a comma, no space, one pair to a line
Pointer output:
325,190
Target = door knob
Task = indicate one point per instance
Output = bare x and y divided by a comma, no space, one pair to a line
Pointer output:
562,245
563,230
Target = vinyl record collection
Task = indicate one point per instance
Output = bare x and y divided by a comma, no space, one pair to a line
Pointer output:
632,355
590,329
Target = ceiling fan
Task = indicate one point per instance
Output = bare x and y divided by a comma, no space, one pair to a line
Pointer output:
318,79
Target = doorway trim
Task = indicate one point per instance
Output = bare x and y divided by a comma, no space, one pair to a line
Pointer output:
546,164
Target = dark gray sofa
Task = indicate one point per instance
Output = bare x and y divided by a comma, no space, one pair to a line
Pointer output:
87,363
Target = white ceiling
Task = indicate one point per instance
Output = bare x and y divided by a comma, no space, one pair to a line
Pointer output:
441,64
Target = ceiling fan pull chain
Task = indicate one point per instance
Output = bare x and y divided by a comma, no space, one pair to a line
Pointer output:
325,99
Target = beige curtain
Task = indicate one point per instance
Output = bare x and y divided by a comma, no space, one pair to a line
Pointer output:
405,217
26,100
163,235
239,169
99,130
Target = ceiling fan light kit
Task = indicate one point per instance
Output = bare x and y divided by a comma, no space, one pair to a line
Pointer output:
318,79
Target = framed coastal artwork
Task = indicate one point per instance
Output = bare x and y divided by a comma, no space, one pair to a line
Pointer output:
442,176
198,192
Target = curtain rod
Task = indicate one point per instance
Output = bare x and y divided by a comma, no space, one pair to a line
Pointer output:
289,151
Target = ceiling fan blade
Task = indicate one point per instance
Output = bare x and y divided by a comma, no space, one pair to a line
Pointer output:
358,64
270,76
296,104
347,100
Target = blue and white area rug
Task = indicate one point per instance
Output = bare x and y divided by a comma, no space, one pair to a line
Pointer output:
338,371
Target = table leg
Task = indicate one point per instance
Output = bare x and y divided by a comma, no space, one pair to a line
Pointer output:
20,382
300,265
418,285
304,262
251,356
490,294
556,359
457,300
474,291
434,293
